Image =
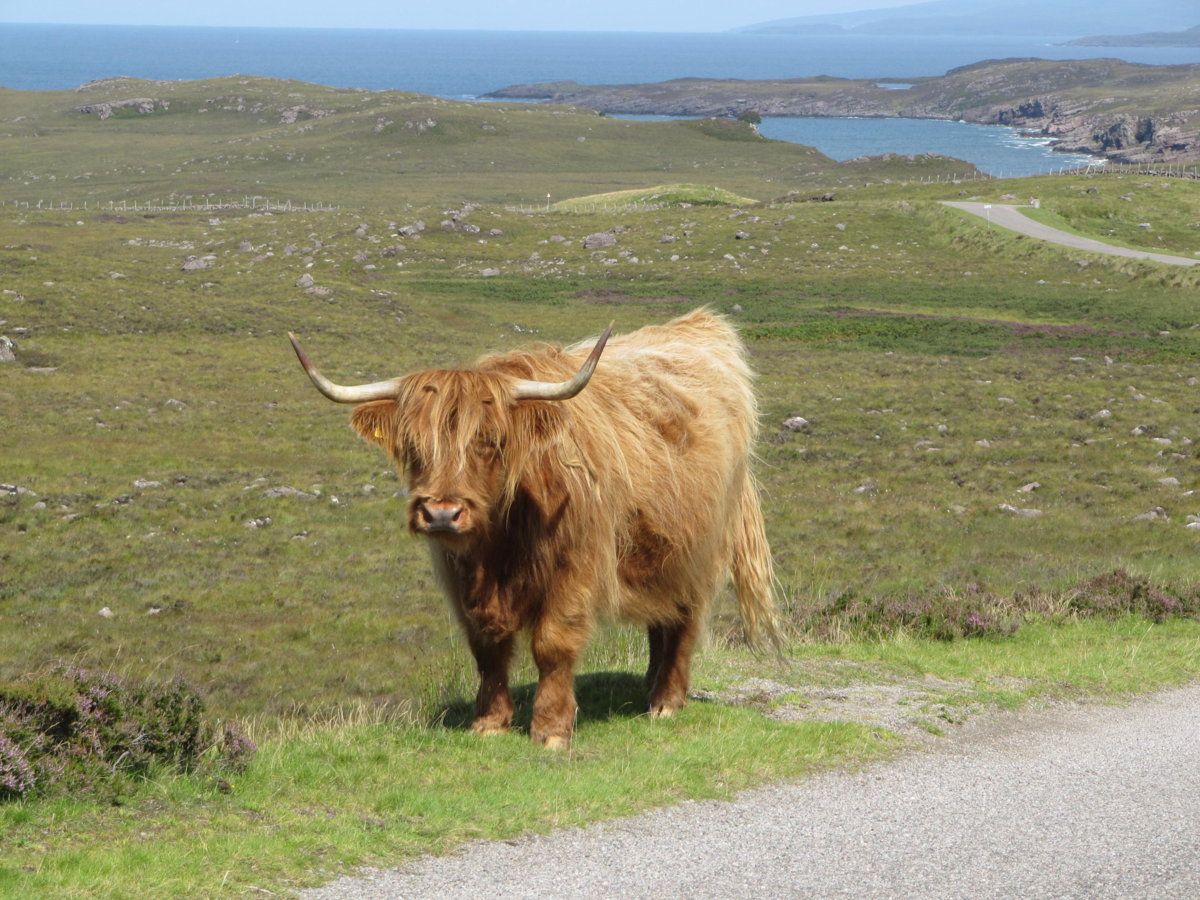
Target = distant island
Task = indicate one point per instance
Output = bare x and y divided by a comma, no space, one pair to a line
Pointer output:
1118,110
993,17
1187,38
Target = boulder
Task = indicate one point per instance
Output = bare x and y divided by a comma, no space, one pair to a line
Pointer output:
599,240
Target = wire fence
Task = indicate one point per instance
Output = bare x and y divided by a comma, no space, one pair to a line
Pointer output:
266,204
171,204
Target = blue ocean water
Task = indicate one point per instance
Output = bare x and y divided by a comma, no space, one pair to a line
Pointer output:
469,63
466,64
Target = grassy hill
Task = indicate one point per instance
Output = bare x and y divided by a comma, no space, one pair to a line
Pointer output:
232,137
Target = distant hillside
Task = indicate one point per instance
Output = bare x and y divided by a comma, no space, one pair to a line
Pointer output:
129,139
996,17
1188,38
1124,111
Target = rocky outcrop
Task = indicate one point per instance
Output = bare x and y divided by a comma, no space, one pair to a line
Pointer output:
141,105
1140,114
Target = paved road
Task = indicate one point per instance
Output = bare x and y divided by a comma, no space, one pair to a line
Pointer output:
1010,217
1092,802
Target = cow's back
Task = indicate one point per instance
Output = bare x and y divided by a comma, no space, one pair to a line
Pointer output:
677,419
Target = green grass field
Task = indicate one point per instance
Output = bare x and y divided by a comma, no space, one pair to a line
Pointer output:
943,367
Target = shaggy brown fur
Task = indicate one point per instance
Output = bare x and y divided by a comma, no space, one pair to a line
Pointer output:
632,499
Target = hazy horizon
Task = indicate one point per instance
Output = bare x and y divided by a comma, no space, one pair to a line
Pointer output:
533,15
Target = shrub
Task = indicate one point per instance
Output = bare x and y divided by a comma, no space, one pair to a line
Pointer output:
78,729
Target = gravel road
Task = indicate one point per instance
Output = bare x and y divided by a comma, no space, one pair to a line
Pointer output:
1074,801
1010,217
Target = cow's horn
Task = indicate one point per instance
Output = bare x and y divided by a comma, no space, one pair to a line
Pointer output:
564,390
342,393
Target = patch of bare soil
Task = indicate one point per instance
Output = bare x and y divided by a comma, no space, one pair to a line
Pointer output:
912,707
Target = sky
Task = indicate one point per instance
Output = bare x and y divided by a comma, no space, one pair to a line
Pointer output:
549,15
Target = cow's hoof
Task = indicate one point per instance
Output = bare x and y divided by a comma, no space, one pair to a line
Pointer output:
662,712
485,726
554,742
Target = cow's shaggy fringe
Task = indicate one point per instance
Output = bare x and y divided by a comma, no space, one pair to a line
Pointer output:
633,499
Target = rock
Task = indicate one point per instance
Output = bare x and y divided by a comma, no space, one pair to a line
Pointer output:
409,230
7,350
599,240
867,487
1102,414
557,238
840,226
984,443
1007,197
259,522
1145,226
193,263
741,235
667,239
176,404
495,232
15,490
795,423
1169,481
287,491
1163,441
1005,400
1029,488
1021,512
489,273
361,230
318,291
1193,526
736,308
140,105
143,484
304,281
245,246
154,611
105,613
1139,430
290,250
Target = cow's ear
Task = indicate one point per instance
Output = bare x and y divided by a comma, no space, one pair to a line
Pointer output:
377,422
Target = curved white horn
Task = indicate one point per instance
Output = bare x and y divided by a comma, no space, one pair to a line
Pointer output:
341,393
564,390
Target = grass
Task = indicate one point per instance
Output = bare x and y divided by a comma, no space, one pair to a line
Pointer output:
942,366
319,800
663,195
230,138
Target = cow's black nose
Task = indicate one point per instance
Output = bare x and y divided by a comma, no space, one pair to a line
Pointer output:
441,515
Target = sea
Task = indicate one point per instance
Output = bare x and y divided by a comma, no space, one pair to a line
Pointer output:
466,65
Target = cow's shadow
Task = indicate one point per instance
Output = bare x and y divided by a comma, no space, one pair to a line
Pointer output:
600,696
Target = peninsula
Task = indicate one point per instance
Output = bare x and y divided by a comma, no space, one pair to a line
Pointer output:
1118,110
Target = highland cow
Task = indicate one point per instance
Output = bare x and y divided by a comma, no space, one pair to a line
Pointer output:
555,491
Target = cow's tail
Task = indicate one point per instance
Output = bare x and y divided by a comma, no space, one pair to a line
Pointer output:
753,571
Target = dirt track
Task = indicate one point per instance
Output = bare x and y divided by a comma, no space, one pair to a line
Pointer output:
1010,217
1077,801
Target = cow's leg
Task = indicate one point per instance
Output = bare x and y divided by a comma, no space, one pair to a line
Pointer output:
658,639
670,688
556,647
493,703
